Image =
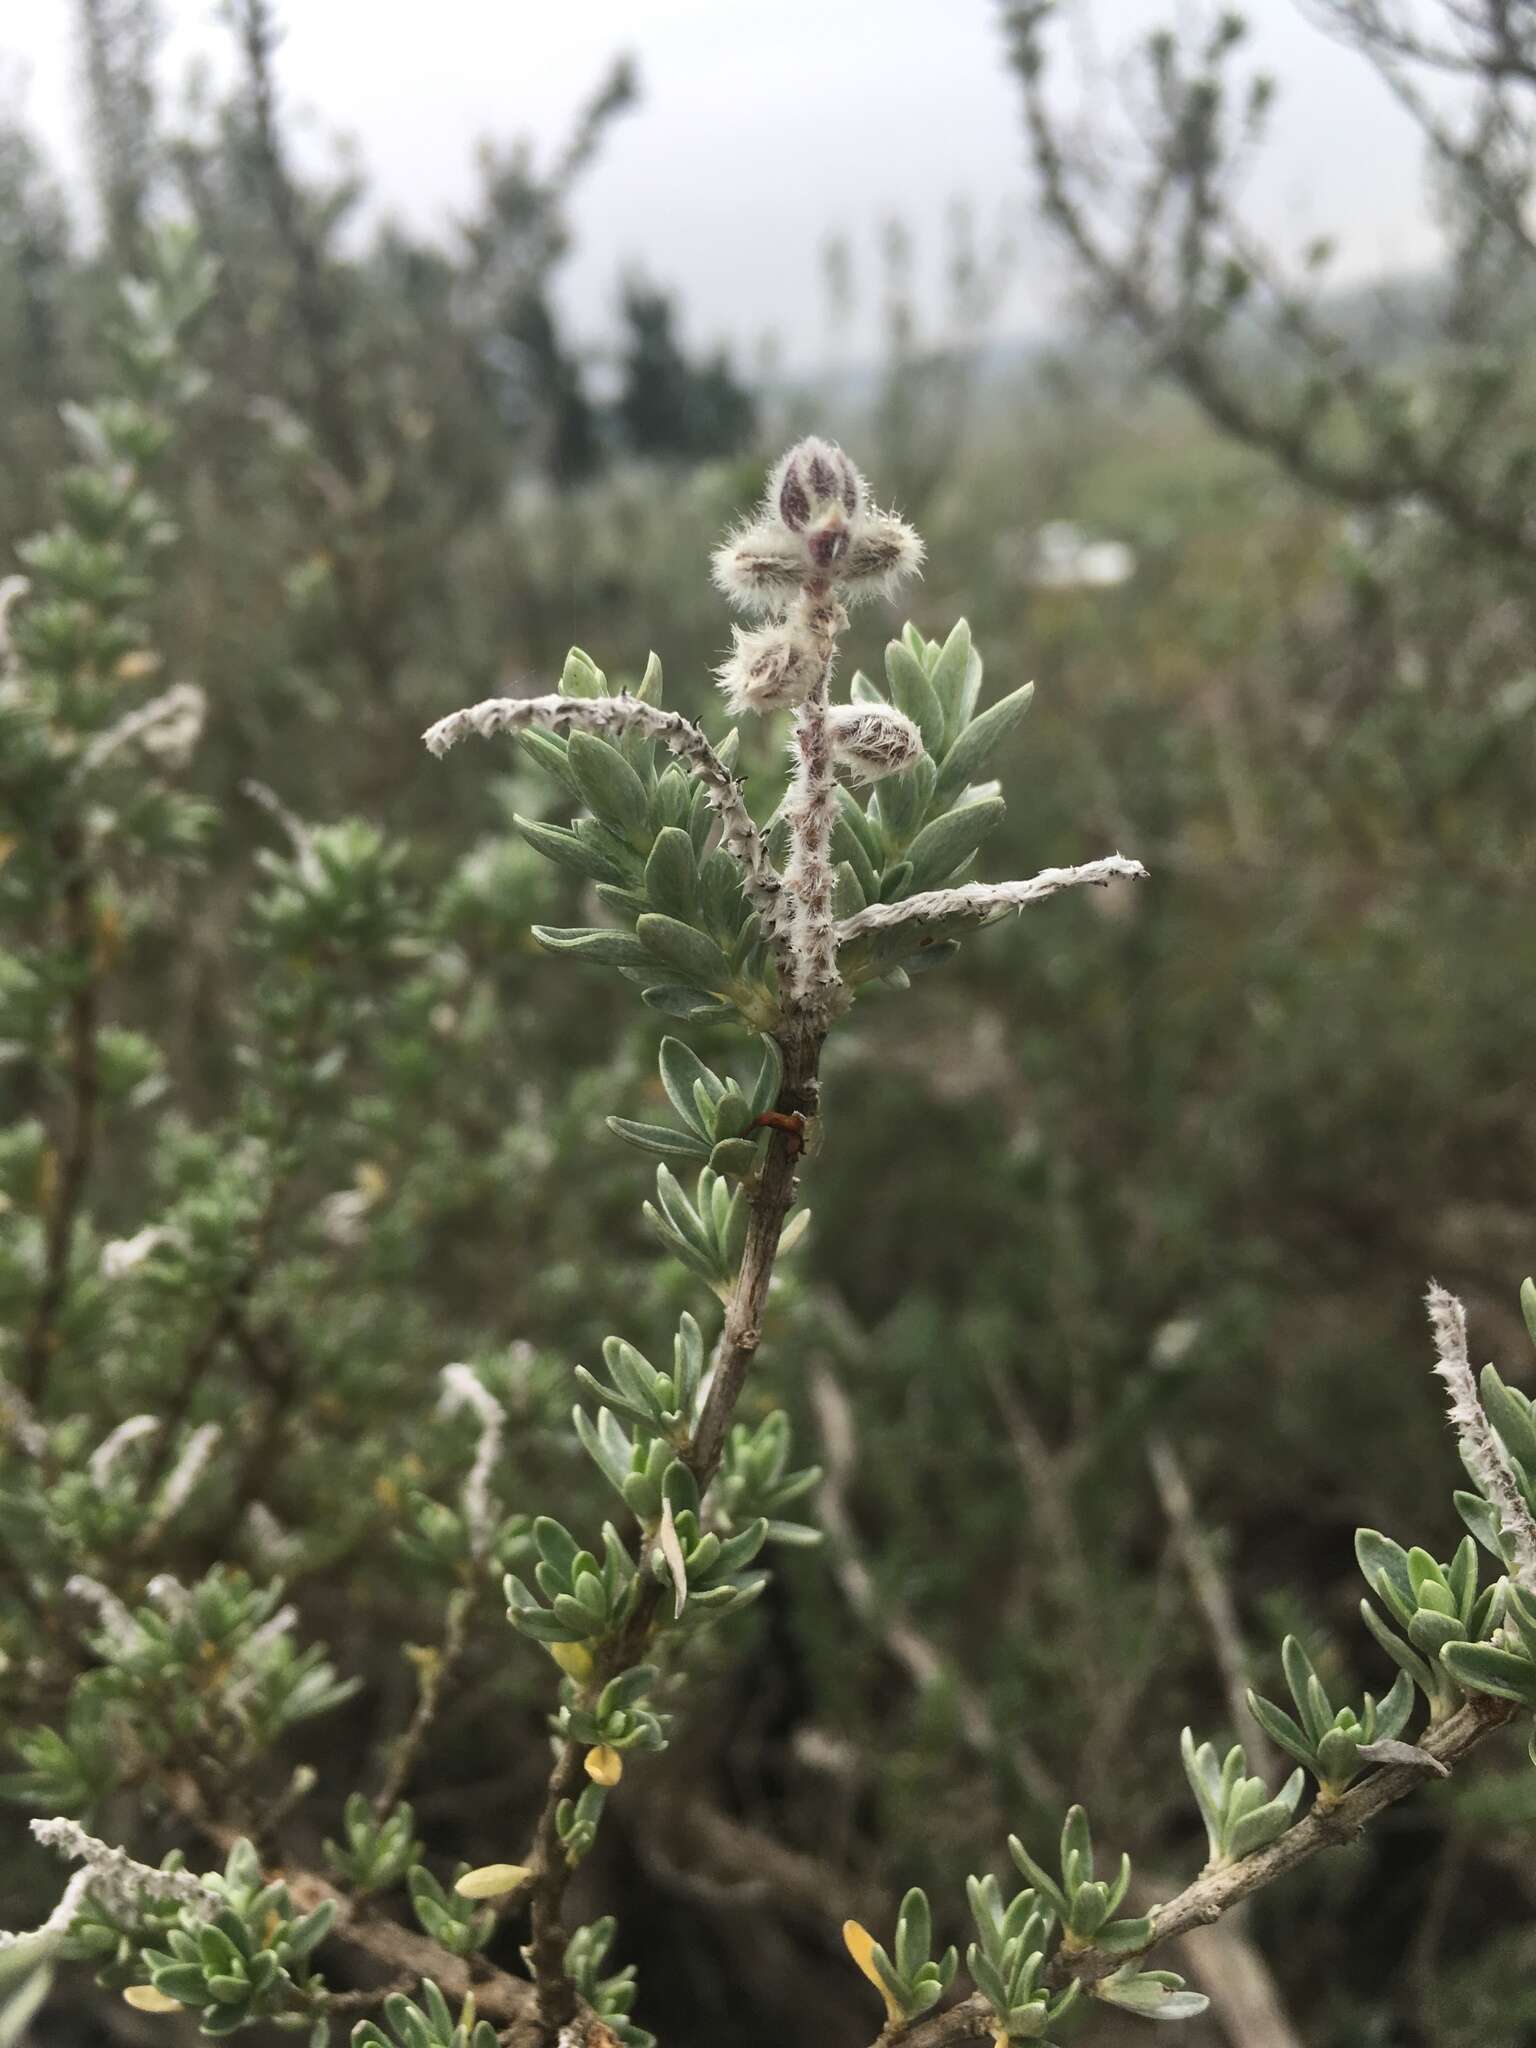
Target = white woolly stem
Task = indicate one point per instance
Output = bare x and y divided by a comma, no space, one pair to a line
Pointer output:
184,1475
114,1618
811,812
61,1919
103,1460
182,703
982,900
169,1594
16,1416
462,1388
12,590
680,736
115,1878
1486,1459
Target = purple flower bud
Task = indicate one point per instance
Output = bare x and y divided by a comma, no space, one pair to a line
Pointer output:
813,479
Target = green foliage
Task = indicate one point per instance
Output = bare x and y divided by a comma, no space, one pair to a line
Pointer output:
455,1923
692,944
908,1977
1434,1605
247,1962
428,2025
1239,1814
1325,1740
340,1101
717,1115
609,1997
1086,1906
378,1851
1005,1960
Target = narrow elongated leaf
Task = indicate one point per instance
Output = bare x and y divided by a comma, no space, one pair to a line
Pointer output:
951,840
613,791
973,749
684,947
1480,1667
659,1139
599,946
912,692
672,876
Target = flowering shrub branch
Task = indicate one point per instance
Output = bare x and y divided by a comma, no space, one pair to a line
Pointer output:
182,1687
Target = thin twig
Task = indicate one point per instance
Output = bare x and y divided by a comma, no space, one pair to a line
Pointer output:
1218,1891
435,1672
1213,1594
78,1151
734,1353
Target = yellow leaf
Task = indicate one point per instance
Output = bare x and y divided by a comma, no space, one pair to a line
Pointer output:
574,1659
604,1765
860,1944
492,1880
145,1998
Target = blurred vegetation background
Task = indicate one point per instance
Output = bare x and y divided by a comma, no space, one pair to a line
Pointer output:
1108,1330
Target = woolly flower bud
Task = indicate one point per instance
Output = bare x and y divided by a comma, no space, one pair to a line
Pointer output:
884,552
871,740
771,668
760,567
818,494
815,527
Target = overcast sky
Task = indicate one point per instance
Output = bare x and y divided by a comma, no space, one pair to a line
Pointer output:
760,133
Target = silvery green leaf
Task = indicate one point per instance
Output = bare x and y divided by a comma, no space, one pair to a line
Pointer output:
613,791
971,751
1510,1414
1389,1752
1385,1566
948,677
1405,1658
952,839
912,693
1480,1518
691,951
558,843
1281,1729
659,1139
604,947
671,875
1481,1667
672,1000
1154,1994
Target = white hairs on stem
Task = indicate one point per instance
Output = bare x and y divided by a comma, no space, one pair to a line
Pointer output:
188,1469
982,900
168,726
1482,1452
463,1388
114,1878
17,1417
103,1460
680,736
12,590
169,1594
116,1623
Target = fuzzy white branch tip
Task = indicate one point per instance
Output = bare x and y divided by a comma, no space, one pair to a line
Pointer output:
1482,1451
